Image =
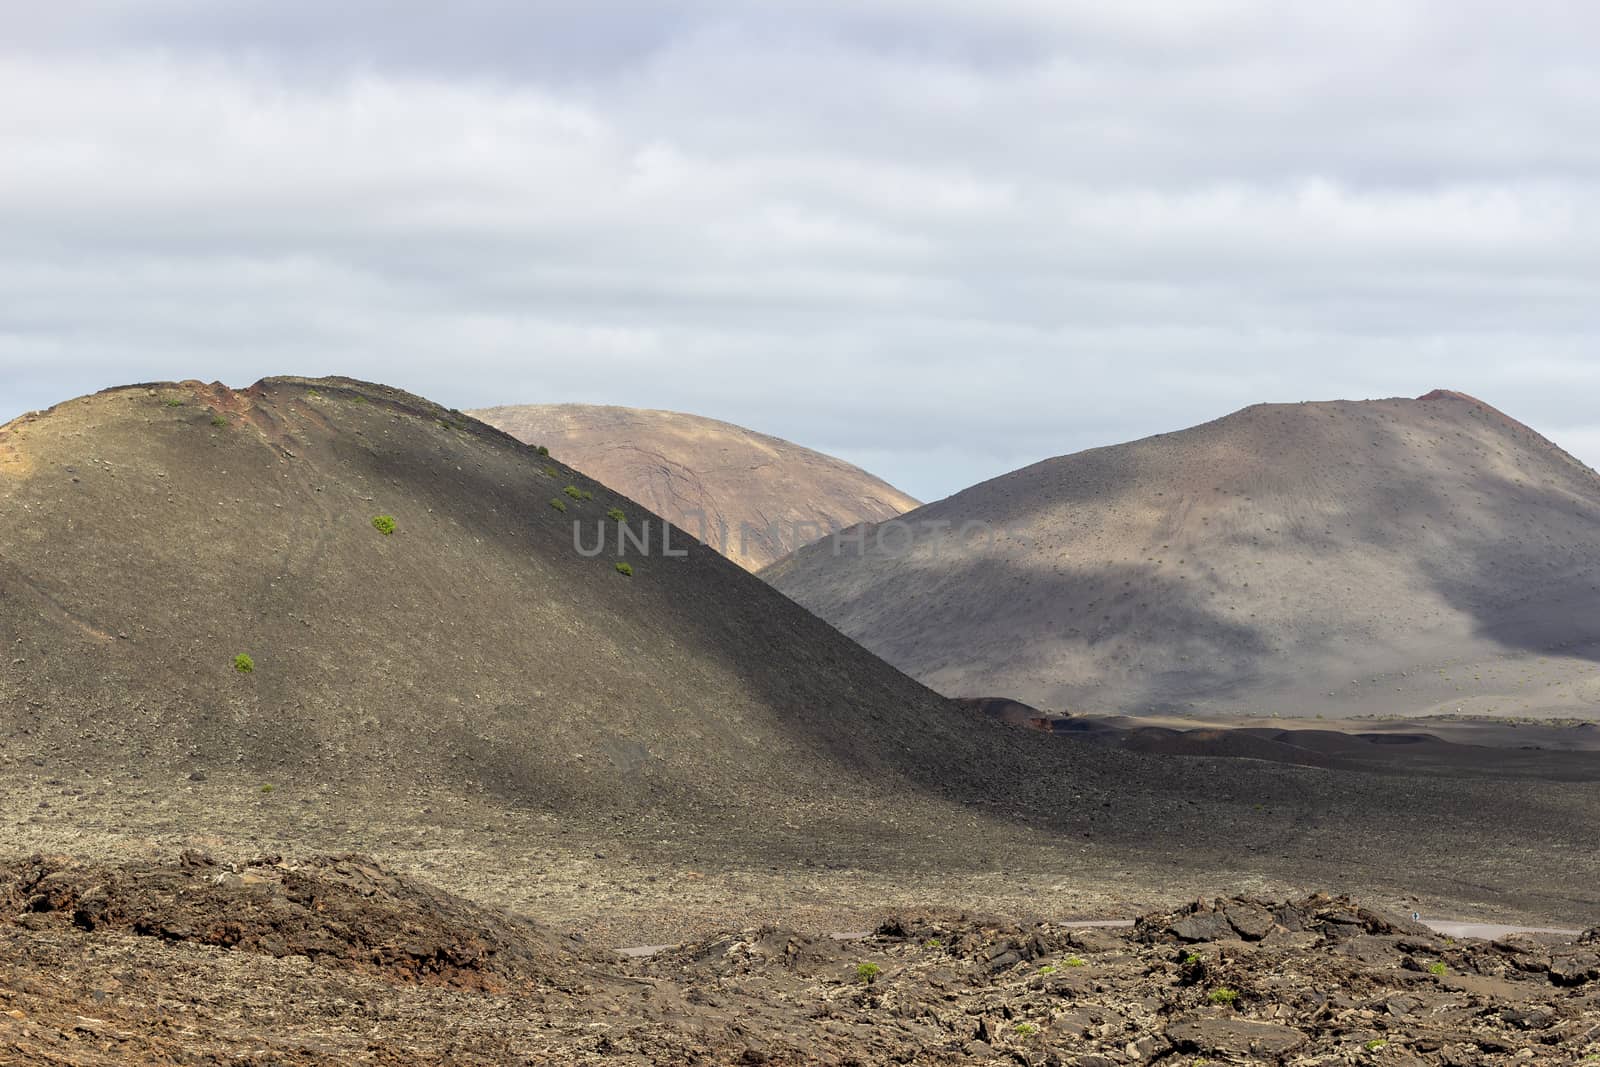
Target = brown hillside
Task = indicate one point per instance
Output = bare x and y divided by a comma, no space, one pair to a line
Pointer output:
761,496
1391,556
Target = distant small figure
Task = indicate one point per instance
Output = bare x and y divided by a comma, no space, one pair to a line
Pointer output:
1416,917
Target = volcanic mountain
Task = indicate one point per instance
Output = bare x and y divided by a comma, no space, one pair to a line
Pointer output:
345,583
1387,556
753,496
321,614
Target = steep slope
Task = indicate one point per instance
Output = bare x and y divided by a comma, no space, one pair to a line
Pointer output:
753,496
1393,556
151,534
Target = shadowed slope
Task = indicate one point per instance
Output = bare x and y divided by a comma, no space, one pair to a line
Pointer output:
1286,558
760,496
150,534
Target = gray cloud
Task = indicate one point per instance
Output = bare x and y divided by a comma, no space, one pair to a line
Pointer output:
940,239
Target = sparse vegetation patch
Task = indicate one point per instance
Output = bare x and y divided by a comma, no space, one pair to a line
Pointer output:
243,663
866,973
384,524
557,503
625,570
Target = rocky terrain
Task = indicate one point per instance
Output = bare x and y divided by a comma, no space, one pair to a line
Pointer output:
335,960
326,742
754,497
1391,557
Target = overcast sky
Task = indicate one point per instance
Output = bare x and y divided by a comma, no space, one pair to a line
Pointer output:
940,238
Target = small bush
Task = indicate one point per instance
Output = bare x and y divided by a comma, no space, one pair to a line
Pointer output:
1375,1044
866,973
543,451
1027,1029
552,472
588,494
1048,968
266,789
218,421
1223,995
1075,961
384,524
557,503
933,942
243,663
1191,959
616,515
574,492
1437,968
174,402
625,570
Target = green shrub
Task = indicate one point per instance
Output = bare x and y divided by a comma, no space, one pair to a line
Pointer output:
557,503
266,788
384,524
866,973
1048,968
1027,1029
1375,1044
588,494
551,471
625,570
616,515
1437,968
243,663
174,402
218,421
574,492
1223,995
543,451
1075,961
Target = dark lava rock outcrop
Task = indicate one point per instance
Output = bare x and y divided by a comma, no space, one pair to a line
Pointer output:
335,960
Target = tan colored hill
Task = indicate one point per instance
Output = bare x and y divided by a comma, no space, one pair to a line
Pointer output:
1391,557
759,496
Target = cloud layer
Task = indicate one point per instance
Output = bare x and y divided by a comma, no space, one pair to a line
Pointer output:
939,239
